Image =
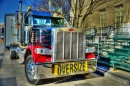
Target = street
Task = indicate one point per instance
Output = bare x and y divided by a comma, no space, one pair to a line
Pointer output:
12,74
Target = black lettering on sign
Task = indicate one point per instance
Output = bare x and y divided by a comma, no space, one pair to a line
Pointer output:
83,66
59,69
80,66
63,69
67,68
75,67
71,68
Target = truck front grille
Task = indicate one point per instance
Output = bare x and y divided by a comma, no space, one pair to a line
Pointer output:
70,46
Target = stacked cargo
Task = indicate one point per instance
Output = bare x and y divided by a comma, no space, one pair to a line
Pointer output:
114,47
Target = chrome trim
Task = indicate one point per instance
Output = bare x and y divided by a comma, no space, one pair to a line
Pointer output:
43,51
63,45
70,60
54,45
77,44
70,44
53,36
30,70
44,72
84,46
40,35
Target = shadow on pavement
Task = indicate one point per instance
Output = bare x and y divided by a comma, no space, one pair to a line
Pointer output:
1,54
11,81
72,78
1,59
63,79
1,62
83,84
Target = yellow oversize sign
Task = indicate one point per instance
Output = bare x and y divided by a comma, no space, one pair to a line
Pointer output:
70,68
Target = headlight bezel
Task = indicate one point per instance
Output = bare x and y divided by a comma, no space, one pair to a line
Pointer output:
43,51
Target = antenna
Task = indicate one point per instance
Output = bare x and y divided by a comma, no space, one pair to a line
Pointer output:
21,5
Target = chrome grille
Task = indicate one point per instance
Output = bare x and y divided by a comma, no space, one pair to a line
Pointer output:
70,46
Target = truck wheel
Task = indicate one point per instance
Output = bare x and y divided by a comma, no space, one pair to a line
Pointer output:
17,57
29,71
12,55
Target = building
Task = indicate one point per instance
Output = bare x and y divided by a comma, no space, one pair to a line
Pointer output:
78,8
1,27
107,13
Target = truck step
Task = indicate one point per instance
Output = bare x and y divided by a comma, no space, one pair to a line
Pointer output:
21,56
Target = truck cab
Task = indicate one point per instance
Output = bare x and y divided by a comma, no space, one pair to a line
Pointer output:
48,48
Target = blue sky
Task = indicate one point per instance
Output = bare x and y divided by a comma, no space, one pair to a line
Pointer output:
10,6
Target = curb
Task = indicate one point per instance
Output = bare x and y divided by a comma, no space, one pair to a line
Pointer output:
119,77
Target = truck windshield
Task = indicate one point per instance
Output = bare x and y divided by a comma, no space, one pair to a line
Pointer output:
56,22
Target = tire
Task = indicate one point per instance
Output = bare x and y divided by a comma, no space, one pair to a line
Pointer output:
12,55
17,57
29,71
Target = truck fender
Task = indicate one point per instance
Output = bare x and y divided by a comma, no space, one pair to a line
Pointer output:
27,53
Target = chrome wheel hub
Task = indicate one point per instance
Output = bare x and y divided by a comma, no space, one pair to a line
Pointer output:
30,70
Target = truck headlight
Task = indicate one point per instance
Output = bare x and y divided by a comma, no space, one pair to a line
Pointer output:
43,51
90,49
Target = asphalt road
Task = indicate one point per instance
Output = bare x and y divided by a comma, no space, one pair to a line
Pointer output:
12,74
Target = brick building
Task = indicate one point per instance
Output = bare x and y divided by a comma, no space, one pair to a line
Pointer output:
108,13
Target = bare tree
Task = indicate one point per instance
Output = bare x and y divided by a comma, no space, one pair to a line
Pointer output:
77,9
82,8
92,6
56,5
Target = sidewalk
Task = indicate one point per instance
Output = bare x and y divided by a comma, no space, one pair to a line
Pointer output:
1,54
11,72
7,76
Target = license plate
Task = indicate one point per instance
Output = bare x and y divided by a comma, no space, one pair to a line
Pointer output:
70,68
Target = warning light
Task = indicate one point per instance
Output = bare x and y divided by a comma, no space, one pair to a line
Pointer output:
71,29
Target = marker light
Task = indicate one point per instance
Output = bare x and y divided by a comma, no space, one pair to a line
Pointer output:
17,26
71,29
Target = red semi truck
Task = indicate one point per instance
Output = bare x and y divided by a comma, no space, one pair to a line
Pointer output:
47,48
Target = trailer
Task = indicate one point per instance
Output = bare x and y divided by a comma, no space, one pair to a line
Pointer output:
10,31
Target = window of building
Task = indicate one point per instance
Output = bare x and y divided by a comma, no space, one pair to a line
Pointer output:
89,20
118,15
102,18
